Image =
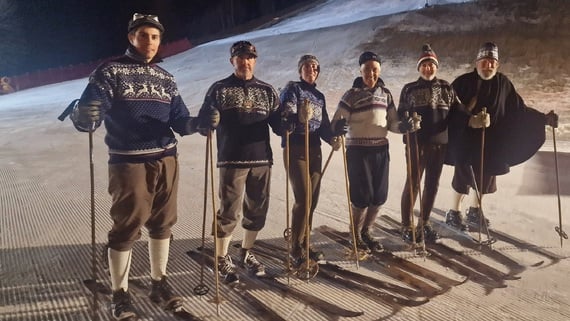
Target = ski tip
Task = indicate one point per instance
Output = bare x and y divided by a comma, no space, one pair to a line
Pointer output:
537,264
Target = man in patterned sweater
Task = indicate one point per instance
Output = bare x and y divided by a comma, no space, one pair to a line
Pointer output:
140,105
432,99
370,112
247,106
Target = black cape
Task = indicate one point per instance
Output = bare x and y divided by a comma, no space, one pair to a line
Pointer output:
516,132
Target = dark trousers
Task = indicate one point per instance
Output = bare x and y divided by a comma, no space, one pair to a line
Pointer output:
431,158
463,180
368,170
297,177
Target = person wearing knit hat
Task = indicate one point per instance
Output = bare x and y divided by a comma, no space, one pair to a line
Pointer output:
493,103
369,111
143,163
432,99
427,54
301,104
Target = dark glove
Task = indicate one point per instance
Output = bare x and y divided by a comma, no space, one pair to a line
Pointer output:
411,124
214,118
89,112
551,119
336,143
340,127
289,122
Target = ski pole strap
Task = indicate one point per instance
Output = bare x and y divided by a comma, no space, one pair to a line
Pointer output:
68,110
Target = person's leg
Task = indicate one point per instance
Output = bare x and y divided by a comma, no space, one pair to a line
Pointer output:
433,159
231,189
298,185
408,198
461,183
255,207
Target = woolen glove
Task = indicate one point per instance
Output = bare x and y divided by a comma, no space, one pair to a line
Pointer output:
89,112
289,122
551,119
340,127
480,120
336,143
305,112
214,118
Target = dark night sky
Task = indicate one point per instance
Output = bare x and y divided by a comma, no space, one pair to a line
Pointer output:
40,34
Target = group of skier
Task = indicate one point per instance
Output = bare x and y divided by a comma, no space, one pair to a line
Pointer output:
141,107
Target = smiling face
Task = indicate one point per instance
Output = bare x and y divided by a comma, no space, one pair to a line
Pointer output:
310,71
370,72
244,65
427,69
146,40
487,68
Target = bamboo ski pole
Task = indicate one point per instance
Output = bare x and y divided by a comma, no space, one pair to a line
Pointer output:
202,289
350,214
558,228
93,222
308,192
479,188
217,299
410,183
288,232
418,185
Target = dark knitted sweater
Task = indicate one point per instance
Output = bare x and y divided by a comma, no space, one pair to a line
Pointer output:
140,107
433,101
246,109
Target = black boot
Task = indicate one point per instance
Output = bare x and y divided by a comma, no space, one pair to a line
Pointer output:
161,292
250,262
474,217
454,219
430,235
227,270
121,307
372,242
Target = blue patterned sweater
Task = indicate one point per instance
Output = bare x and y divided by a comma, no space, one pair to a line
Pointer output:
141,106
292,97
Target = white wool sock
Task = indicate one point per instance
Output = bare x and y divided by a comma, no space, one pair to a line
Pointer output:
457,198
119,266
248,239
474,200
222,245
158,256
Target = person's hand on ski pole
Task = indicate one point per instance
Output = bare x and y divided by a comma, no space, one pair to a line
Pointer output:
289,122
214,118
480,120
89,112
551,119
305,112
340,127
411,124
336,143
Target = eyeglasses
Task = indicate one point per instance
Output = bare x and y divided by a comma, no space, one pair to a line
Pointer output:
138,16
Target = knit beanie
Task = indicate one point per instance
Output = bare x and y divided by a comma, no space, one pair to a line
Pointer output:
144,19
367,56
427,54
307,58
488,50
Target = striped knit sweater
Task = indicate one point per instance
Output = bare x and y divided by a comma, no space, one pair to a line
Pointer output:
370,113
